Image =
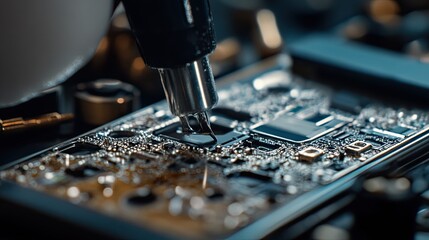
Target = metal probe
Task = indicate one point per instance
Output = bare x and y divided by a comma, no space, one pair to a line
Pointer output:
175,38
190,92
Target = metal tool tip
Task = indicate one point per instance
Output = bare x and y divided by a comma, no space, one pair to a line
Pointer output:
213,136
186,126
203,120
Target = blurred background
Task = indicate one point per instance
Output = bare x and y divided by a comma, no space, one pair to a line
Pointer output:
116,81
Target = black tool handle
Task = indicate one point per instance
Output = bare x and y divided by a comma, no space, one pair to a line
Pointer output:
171,33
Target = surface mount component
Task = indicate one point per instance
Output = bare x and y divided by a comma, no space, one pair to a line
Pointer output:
278,155
310,154
358,147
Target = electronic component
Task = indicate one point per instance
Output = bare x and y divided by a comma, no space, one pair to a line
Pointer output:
310,154
275,155
358,147
261,144
19,124
385,133
103,100
224,135
290,128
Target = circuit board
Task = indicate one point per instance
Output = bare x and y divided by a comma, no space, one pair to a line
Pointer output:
278,137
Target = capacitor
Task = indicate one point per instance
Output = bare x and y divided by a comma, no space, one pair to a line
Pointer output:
104,100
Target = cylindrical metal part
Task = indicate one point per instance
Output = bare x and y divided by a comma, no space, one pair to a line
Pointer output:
104,100
189,89
171,33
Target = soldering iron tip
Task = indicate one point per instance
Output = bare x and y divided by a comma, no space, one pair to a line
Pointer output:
204,122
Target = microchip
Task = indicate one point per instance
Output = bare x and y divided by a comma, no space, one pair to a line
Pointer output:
358,147
401,130
290,128
310,154
224,135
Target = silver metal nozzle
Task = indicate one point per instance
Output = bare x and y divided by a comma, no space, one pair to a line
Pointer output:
190,91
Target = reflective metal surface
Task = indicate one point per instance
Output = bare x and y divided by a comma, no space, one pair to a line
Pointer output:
190,90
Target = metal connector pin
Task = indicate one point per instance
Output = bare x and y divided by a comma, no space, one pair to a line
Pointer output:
16,124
